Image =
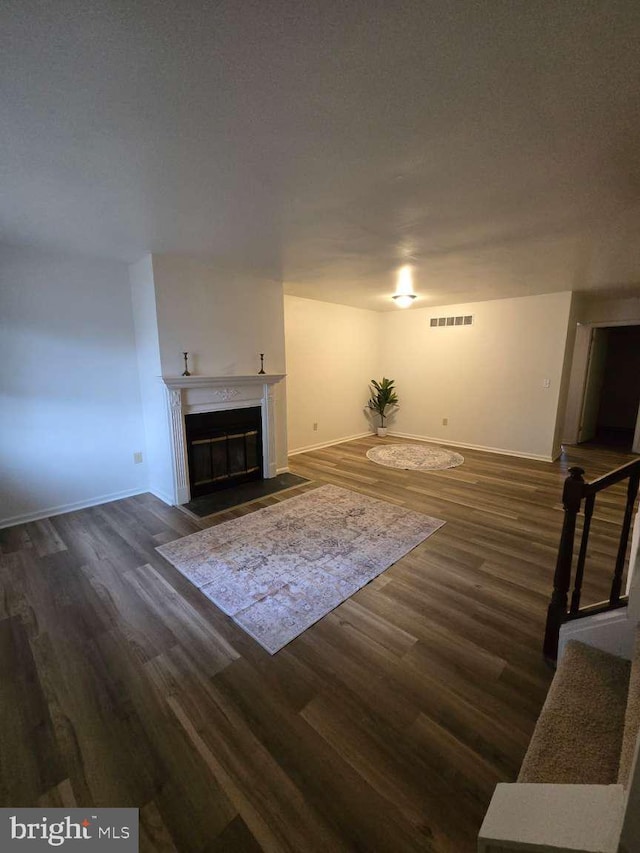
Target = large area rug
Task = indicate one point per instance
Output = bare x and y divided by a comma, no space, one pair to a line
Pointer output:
414,457
278,570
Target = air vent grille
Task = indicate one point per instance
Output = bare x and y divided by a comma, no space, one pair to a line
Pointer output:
460,320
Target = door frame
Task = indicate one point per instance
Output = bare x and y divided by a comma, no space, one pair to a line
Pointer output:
578,381
593,382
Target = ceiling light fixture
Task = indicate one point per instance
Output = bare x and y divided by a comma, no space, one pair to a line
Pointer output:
404,295
403,300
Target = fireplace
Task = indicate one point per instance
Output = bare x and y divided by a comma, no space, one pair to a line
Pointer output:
223,449
230,396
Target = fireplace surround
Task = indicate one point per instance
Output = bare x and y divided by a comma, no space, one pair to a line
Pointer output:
198,394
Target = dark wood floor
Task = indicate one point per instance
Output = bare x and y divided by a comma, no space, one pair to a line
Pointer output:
384,727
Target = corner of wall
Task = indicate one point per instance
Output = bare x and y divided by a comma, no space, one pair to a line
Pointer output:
574,307
155,417
327,382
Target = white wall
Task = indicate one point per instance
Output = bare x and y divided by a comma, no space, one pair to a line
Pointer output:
487,379
565,382
575,397
70,413
224,320
152,389
601,310
333,352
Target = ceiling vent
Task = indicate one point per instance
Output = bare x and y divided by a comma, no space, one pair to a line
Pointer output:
461,320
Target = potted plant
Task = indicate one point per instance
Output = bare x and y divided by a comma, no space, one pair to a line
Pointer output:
383,397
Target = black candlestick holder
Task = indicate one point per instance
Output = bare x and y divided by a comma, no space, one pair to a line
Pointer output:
186,365
261,371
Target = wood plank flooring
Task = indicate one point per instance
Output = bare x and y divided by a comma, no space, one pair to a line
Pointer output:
384,727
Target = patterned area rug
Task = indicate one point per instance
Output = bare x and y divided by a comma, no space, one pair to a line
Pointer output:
278,570
414,457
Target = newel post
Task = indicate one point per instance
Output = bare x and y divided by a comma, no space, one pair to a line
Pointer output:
557,611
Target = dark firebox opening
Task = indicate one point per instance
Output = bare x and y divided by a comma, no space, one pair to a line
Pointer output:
223,449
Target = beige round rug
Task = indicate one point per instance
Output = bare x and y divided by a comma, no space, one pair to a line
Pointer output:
414,457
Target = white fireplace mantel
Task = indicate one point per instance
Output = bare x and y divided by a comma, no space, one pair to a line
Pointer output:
191,394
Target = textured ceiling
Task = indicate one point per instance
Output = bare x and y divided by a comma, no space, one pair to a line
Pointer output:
495,146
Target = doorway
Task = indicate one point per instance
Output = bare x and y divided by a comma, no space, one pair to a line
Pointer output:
610,408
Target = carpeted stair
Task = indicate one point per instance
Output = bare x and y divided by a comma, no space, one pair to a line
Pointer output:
588,727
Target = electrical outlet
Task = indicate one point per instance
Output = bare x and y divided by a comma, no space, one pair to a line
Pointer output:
546,383
315,427
137,457
445,422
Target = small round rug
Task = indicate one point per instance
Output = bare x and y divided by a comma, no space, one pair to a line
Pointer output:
414,457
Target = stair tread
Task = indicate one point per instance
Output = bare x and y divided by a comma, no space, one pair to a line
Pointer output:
578,736
632,718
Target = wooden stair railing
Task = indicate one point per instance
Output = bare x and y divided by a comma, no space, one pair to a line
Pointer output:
575,491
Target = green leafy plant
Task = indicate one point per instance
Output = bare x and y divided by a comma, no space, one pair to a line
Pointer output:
383,397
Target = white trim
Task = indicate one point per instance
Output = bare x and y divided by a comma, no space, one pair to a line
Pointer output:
577,383
553,817
606,323
181,490
284,470
63,508
223,393
165,497
322,444
613,632
634,566
193,394
446,441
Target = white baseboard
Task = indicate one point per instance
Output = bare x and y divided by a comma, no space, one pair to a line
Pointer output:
62,508
548,816
520,453
322,444
284,470
613,631
165,497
